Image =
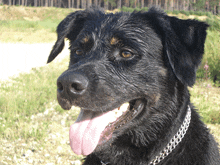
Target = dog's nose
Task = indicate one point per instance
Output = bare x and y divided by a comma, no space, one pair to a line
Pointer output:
72,83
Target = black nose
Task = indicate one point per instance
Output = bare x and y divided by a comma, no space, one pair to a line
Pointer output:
72,83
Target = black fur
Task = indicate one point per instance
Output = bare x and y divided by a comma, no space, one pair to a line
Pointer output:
166,52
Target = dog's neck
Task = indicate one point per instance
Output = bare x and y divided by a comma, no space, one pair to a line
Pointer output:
176,139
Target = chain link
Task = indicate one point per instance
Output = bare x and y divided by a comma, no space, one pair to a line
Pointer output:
104,163
175,140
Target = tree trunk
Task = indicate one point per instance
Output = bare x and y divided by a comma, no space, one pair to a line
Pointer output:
96,2
100,3
69,3
151,3
171,5
218,8
207,5
177,5
187,5
89,2
183,3
165,5
77,4
214,10
83,4
60,3
138,3
142,3
118,4
126,3
106,5
156,3
194,6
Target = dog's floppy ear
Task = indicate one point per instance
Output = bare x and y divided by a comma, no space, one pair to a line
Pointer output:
183,42
71,26
68,28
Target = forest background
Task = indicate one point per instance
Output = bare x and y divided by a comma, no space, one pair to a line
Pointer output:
186,5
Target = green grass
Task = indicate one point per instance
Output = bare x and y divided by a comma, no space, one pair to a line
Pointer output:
28,31
33,13
211,56
206,97
23,25
187,13
26,95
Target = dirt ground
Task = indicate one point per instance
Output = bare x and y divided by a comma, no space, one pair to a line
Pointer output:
21,57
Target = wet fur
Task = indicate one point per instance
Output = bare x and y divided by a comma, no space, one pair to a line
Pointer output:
167,52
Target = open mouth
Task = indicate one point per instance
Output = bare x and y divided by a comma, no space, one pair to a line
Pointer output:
95,128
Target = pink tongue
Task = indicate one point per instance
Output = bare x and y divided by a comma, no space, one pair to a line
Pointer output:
85,133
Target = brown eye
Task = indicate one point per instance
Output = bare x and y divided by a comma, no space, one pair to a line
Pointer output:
79,52
126,54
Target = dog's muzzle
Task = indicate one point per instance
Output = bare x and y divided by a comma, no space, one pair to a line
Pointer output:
70,85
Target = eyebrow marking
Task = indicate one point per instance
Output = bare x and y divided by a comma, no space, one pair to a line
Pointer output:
114,41
86,39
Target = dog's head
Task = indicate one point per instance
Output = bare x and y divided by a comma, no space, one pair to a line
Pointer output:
139,58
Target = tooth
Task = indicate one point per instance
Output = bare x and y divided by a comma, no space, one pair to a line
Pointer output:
120,110
124,107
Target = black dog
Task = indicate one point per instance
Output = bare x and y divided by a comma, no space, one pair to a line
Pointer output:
147,59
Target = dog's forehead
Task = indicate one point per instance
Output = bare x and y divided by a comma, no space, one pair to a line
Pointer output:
106,25
120,30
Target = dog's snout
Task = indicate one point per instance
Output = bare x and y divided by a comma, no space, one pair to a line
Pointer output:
72,83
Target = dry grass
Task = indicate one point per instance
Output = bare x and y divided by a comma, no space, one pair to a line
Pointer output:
214,129
39,36
32,13
52,149
206,97
30,24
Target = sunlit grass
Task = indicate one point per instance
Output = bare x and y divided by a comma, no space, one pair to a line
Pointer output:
206,97
26,95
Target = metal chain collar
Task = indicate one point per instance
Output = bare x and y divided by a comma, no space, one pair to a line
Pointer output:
104,163
175,140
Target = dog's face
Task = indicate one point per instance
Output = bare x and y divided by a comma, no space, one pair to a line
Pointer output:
123,68
115,61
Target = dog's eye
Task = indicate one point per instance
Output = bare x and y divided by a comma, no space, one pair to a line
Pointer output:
79,52
126,54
